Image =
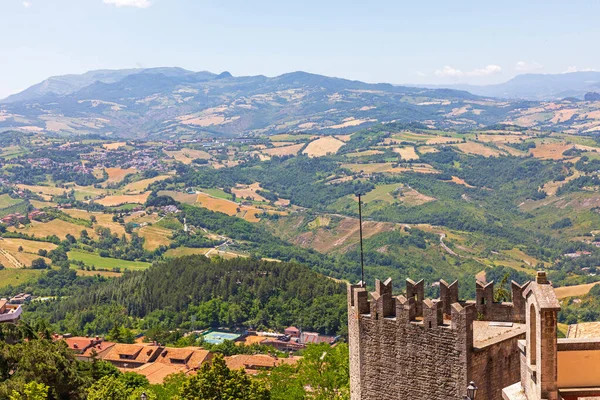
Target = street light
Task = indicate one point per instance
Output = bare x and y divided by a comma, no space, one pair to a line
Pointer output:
471,391
143,396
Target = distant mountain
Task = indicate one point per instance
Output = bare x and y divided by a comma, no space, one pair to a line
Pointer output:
173,102
537,86
67,84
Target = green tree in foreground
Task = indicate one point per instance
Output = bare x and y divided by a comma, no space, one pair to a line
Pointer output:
323,374
217,382
31,391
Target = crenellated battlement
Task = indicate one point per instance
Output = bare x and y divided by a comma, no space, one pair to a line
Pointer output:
401,344
414,307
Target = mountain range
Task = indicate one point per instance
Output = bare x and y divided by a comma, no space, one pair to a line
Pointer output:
537,86
177,103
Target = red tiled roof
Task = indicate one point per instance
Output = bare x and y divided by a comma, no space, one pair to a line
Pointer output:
139,353
157,372
252,363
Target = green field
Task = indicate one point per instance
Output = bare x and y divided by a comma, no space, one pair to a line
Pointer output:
218,193
16,277
7,201
184,251
285,137
105,262
382,193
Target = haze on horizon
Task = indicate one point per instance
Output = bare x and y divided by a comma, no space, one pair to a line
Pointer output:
435,43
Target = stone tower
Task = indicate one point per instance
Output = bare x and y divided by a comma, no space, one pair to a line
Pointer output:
409,347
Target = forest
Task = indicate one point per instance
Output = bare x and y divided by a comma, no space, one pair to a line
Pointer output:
237,294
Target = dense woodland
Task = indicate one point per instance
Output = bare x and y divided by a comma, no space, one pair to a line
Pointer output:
240,293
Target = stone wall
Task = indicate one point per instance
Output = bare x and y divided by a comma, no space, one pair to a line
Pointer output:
496,366
415,348
396,357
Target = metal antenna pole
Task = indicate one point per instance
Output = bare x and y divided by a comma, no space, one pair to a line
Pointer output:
362,258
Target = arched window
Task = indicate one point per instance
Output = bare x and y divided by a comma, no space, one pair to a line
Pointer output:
532,335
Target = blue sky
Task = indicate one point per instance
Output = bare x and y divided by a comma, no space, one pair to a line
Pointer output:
442,42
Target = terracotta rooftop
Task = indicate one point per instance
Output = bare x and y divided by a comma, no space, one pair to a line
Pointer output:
157,372
253,363
171,353
137,353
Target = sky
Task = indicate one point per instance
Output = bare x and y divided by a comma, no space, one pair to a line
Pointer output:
395,41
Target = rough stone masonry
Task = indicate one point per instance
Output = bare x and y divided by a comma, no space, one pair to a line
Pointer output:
409,347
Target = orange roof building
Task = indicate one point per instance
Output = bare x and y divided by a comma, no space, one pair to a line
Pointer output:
253,364
86,348
157,362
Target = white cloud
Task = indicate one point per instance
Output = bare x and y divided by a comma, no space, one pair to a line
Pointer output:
486,71
26,4
525,66
129,3
450,72
419,73
574,68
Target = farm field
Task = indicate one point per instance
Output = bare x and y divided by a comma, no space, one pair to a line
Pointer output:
155,237
105,274
478,149
56,227
113,201
114,146
373,168
16,277
7,201
46,191
285,137
9,252
574,291
323,146
186,156
185,251
142,185
284,151
186,198
345,234
382,193
102,219
105,262
551,187
411,197
501,138
216,204
116,175
407,153
245,191
550,151
365,153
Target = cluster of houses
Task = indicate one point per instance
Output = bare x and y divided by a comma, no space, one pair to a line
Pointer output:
156,362
293,339
18,218
13,219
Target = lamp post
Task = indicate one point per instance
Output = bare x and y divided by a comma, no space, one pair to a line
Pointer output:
471,391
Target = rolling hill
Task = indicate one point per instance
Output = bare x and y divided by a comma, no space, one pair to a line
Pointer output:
171,102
